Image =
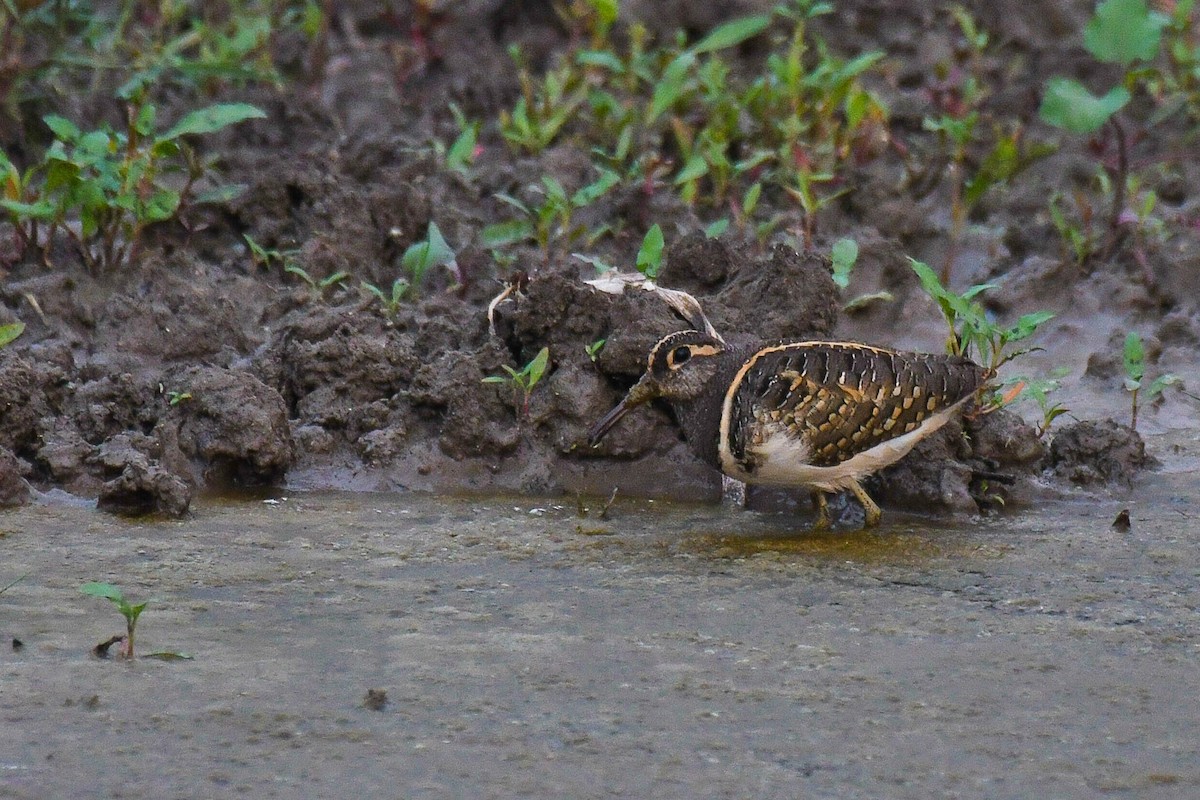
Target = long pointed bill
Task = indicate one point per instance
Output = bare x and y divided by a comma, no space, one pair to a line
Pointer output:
642,392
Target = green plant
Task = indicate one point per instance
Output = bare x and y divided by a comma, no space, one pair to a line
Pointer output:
461,153
682,116
843,256
422,256
650,254
1135,372
9,332
1128,34
525,379
593,349
265,256
175,398
550,223
102,188
389,301
1038,390
128,610
972,333
318,287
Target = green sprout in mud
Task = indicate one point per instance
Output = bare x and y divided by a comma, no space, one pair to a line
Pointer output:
842,257
972,333
650,254
1135,373
525,379
128,610
9,332
102,188
175,398
682,116
266,256
461,153
318,286
1038,390
960,124
593,349
426,254
389,301
1159,58
551,222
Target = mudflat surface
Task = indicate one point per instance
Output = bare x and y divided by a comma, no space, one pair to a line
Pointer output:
668,651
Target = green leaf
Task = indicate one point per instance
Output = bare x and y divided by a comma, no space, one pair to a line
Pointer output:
41,210
1124,31
105,590
714,229
10,332
62,127
1134,357
844,255
606,10
537,367
462,152
1026,326
596,189
649,257
670,87
732,33
495,379
1068,104
161,205
1158,384
696,167
213,118
502,234
222,194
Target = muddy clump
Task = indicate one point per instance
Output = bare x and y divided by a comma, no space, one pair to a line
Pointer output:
1095,453
139,485
14,489
231,430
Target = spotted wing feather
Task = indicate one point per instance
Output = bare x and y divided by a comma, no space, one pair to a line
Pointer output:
843,399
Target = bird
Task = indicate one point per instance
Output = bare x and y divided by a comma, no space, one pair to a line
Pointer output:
815,414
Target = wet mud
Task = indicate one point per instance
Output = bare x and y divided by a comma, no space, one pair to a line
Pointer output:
356,643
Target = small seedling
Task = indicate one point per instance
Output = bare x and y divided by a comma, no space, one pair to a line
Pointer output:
9,332
1135,373
175,398
593,349
844,255
129,611
524,379
266,256
1038,390
420,257
318,287
650,255
461,153
390,302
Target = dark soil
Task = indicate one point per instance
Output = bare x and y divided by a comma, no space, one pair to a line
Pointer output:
194,368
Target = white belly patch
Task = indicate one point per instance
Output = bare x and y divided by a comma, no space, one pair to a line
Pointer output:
783,460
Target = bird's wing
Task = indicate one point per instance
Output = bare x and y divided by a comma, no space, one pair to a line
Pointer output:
841,398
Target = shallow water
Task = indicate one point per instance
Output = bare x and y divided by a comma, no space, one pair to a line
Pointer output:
668,651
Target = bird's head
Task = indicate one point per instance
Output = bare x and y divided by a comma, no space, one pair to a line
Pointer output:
677,370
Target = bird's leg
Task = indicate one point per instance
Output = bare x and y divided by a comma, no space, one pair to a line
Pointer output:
733,492
822,507
873,514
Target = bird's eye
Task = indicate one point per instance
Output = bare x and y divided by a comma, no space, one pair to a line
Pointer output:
680,355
